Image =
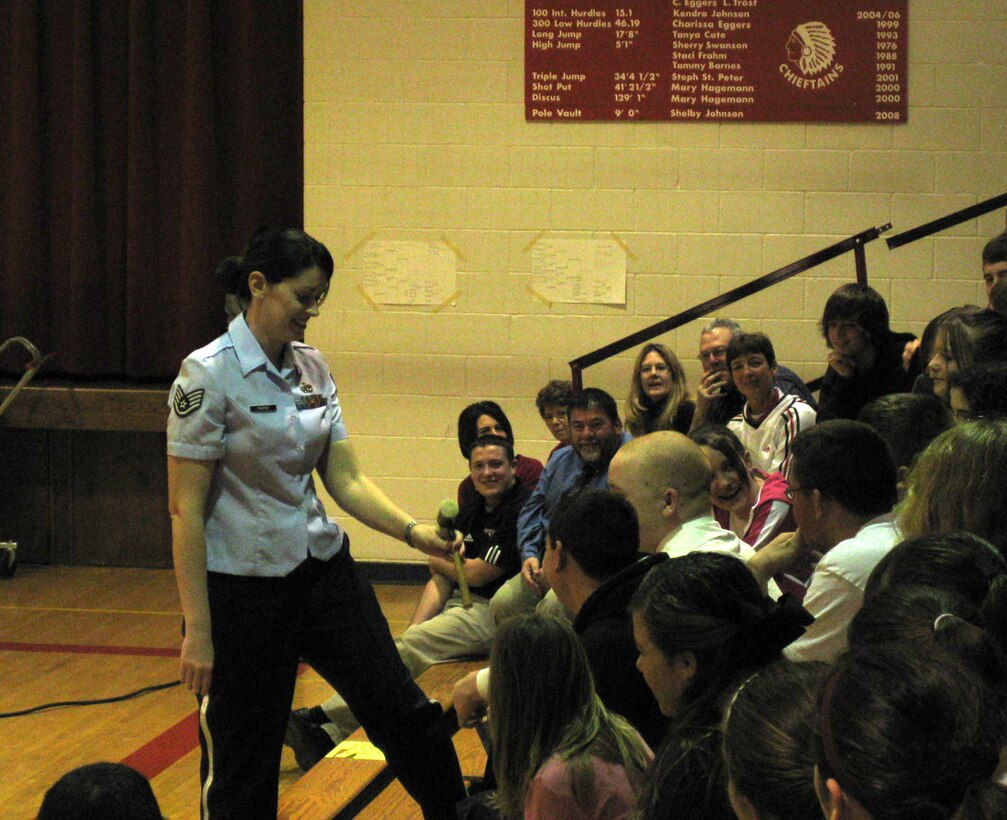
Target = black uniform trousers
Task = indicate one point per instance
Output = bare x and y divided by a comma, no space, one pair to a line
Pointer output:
324,612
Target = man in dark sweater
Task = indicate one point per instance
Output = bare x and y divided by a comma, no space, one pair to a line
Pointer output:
865,356
593,563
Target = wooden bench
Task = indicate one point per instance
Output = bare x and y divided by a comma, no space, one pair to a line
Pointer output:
338,787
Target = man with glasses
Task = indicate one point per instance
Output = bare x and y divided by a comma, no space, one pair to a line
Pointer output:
842,486
717,399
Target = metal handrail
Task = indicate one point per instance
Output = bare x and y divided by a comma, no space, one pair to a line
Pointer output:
30,370
852,243
945,222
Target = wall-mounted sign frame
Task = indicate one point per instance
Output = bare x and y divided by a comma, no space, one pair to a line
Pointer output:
717,60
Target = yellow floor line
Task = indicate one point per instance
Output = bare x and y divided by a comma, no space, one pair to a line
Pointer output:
176,614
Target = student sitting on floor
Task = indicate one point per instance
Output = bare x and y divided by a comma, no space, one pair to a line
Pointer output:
487,418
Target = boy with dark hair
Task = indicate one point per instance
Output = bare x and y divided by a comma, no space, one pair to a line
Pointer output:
994,262
865,356
111,791
908,422
770,419
593,564
487,418
843,487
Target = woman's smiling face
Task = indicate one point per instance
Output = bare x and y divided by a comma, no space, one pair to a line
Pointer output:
655,377
728,490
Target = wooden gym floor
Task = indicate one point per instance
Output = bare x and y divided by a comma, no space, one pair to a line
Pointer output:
83,633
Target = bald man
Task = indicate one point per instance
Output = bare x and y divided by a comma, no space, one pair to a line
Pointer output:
666,477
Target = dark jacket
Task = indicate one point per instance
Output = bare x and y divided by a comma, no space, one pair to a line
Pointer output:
842,398
606,633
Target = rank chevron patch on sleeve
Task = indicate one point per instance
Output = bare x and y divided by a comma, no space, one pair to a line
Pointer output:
186,403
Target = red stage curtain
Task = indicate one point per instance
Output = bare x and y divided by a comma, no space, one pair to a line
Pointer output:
141,142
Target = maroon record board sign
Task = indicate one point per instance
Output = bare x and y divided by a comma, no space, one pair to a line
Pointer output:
703,60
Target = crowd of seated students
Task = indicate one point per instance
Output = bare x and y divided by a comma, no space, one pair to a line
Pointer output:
868,701
903,716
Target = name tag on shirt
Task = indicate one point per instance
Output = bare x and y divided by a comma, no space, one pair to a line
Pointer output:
263,408
310,402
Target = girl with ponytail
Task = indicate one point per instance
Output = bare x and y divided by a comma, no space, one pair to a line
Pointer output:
768,751
908,733
701,623
960,564
929,617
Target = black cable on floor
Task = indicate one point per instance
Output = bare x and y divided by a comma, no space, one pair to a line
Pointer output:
136,694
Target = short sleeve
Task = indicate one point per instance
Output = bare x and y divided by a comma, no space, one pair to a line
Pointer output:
338,431
833,601
196,414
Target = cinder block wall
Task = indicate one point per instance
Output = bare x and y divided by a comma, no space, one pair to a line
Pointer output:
414,129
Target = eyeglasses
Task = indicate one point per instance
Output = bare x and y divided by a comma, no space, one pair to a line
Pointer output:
309,300
791,492
712,353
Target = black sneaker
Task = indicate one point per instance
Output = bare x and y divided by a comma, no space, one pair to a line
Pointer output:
314,715
307,738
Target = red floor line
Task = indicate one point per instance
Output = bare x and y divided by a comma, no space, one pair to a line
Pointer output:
85,649
167,748
171,745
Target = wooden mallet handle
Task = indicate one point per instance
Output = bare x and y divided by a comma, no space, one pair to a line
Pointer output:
446,530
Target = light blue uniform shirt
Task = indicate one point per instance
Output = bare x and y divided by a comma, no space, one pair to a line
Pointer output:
266,430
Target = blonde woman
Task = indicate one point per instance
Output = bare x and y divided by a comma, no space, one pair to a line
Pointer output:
957,484
557,751
658,395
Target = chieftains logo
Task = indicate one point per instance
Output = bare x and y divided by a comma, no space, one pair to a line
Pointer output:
812,48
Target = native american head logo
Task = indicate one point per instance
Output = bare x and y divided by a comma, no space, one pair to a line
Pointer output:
812,48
